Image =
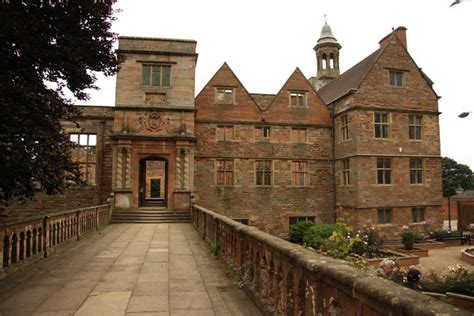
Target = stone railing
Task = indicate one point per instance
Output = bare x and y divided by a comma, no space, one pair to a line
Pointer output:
286,279
37,236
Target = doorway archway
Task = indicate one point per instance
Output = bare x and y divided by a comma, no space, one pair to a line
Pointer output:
153,189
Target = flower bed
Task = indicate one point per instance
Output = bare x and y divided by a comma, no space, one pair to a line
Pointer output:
430,244
468,255
413,252
404,260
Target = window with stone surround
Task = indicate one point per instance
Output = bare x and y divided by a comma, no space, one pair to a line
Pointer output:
225,172
417,214
384,216
295,219
346,172
263,172
384,171
262,132
416,171
344,127
299,173
381,125
224,95
225,132
415,126
297,99
84,153
396,78
156,75
298,135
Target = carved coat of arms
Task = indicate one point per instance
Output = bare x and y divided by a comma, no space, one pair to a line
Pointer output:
152,121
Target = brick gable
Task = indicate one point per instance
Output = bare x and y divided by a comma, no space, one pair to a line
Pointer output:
280,111
243,108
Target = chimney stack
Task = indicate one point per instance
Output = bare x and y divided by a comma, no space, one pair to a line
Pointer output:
400,32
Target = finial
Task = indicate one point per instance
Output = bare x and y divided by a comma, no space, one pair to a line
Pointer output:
325,19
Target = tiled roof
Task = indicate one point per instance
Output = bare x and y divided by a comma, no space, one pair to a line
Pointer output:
468,194
349,80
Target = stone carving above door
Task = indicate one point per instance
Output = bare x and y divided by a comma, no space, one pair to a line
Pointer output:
152,121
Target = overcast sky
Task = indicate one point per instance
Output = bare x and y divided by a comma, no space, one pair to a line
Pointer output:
263,41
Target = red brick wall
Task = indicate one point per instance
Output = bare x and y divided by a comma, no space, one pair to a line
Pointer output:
269,208
359,201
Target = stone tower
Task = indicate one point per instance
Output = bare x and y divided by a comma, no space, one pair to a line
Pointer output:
327,56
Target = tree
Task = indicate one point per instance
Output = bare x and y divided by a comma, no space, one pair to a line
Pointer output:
47,48
455,174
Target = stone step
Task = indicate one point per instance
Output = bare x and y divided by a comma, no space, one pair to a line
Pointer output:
151,215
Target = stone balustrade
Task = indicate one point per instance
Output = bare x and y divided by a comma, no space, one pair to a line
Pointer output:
287,279
37,236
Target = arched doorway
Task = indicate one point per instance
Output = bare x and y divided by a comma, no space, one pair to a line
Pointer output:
153,182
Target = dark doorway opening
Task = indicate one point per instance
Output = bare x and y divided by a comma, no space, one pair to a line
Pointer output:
153,182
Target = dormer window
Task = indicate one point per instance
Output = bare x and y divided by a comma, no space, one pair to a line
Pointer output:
396,78
297,99
156,75
225,95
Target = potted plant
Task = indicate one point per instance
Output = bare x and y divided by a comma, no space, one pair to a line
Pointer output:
408,238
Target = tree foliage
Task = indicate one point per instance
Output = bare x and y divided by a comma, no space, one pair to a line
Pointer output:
47,48
455,174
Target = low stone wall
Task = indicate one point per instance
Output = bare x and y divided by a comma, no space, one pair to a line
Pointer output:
36,236
287,279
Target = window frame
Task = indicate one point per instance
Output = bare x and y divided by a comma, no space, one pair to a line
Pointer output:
384,216
225,171
262,133
396,78
344,128
382,125
415,127
296,135
299,97
150,75
262,171
416,171
296,173
384,172
418,214
76,150
228,133
225,91
346,172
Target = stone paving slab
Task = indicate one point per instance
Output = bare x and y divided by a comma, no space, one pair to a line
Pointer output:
127,269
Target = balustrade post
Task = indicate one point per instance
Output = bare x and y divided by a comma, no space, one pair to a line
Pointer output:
2,236
78,225
46,234
97,221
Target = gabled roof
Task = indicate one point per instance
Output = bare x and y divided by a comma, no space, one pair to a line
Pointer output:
349,80
263,100
352,78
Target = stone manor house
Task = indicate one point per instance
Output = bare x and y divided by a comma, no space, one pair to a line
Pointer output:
363,145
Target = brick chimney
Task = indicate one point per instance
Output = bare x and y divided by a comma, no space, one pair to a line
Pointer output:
400,32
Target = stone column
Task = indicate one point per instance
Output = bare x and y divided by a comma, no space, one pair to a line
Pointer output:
128,167
178,184
186,169
119,177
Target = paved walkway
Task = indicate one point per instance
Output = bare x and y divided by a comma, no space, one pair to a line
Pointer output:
440,259
128,269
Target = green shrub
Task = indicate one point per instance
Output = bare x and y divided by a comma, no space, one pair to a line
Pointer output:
408,239
298,230
369,244
458,280
318,234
